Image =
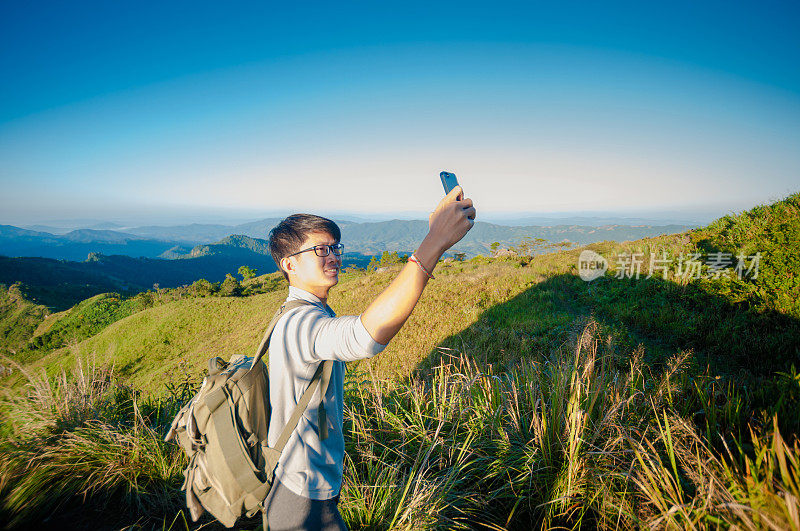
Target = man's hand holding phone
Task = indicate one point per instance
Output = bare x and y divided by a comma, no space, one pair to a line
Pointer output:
453,217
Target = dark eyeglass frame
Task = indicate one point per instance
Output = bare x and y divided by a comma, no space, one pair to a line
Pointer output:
326,249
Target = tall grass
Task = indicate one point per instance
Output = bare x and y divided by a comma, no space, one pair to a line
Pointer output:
542,443
687,485
568,442
577,439
116,469
59,404
82,437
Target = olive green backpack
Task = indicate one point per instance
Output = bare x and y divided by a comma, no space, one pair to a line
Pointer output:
223,429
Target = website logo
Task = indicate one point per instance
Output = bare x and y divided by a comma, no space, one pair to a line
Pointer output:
591,265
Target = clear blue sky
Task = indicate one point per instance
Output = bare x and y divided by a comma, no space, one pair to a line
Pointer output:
135,108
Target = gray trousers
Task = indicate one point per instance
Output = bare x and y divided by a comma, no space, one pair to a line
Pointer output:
286,511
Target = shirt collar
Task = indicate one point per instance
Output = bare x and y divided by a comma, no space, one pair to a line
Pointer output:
298,293
295,292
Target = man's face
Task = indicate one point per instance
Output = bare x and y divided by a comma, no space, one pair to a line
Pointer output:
315,274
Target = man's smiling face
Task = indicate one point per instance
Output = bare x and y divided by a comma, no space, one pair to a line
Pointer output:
315,274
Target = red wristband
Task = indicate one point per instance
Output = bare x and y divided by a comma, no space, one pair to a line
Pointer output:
413,258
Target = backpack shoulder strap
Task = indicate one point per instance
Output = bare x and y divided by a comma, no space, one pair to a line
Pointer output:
320,380
264,346
302,404
324,381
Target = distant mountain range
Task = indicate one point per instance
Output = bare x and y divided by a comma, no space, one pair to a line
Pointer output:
587,221
61,268
365,238
374,238
77,244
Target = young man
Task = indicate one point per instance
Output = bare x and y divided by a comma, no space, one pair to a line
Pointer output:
308,252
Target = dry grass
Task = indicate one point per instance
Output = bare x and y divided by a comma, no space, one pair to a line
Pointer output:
568,441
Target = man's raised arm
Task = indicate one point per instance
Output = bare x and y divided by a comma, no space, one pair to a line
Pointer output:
451,220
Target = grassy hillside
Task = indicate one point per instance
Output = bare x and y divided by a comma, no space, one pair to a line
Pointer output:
40,333
773,231
19,318
516,396
501,311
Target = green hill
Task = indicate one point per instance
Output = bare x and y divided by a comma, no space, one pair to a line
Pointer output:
57,284
19,318
527,303
504,310
241,249
773,231
234,241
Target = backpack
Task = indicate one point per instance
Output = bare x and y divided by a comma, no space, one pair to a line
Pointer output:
223,429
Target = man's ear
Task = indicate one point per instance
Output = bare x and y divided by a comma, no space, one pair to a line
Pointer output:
287,265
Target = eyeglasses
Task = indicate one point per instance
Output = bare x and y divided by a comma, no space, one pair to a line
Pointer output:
323,250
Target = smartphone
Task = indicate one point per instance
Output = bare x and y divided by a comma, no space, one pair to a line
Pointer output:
449,181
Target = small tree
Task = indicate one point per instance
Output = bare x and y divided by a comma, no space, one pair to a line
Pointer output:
202,288
373,264
459,257
528,246
493,247
230,287
247,272
560,246
388,258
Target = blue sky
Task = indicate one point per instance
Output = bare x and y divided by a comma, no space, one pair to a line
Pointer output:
144,110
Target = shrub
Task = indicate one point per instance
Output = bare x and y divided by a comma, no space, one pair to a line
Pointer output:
387,259
230,287
264,284
247,272
202,288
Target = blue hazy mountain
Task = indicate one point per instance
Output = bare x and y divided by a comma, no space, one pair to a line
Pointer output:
366,238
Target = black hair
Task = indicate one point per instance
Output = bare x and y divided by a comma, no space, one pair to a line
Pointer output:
288,235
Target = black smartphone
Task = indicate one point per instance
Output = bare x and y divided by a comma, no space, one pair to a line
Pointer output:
449,181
